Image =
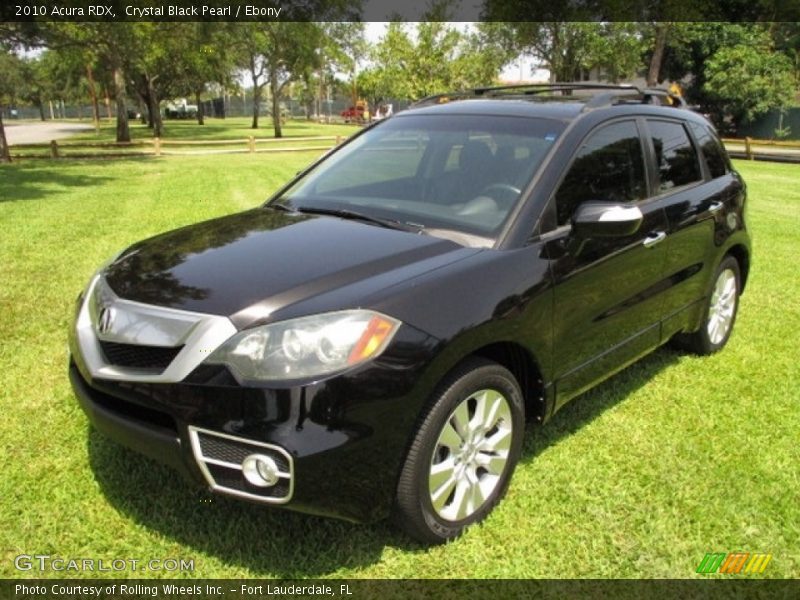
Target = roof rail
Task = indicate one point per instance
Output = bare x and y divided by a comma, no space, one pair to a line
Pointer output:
611,93
648,96
672,99
537,88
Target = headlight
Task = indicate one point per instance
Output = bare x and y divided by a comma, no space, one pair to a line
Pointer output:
307,347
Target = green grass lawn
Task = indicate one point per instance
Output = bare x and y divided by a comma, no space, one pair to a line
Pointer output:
674,457
218,129
186,137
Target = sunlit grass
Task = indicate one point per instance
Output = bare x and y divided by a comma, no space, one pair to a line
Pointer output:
675,457
216,129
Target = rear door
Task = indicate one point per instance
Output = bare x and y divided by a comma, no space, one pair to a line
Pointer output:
608,300
693,193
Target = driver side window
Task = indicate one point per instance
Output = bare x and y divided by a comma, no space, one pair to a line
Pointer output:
608,167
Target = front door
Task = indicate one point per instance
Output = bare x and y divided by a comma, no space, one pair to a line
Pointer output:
608,291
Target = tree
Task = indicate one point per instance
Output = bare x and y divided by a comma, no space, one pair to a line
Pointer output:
482,57
615,50
749,80
786,39
12,36
733,71
55,75
33,85
345,47
178,59
275,54
660,33
439,58
571,49
248,50
113,45
204,59
389,56
11,70
375,86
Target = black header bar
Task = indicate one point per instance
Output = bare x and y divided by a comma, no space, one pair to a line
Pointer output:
77,11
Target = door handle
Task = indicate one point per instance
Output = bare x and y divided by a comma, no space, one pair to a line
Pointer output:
654,238
715,207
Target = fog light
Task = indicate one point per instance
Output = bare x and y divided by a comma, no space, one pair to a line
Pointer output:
260,470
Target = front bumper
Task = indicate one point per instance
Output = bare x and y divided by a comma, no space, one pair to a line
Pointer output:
342,440
141,434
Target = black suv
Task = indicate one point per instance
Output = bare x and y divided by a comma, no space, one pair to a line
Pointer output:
372,340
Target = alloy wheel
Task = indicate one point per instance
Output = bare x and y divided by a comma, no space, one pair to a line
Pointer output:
722,307
470,455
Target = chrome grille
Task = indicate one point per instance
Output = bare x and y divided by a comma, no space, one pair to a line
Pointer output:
123,340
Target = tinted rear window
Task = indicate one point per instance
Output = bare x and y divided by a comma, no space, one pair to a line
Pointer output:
676,159
712,150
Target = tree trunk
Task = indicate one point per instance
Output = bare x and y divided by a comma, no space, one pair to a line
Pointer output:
200,111
276,105
93,96
147,119
40,106
256,102
108,105
555,54
256,90
5,155
658,54
155,112
123,130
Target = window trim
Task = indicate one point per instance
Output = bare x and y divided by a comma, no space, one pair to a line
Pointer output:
655,183
712,134
551,201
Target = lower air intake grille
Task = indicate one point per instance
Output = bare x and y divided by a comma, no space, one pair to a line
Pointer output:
220,457
139,357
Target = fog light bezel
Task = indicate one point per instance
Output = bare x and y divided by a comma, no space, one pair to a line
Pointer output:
252,470
203,462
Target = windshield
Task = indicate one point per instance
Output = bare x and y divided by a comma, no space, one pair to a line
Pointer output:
456,173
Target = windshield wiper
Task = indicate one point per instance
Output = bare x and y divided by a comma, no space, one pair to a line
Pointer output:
357,216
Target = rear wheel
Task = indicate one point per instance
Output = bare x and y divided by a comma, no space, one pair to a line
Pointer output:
463,454
720,311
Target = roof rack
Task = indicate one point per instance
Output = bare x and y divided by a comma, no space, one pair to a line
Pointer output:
609,95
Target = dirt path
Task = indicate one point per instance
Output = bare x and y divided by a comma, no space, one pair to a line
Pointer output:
37,133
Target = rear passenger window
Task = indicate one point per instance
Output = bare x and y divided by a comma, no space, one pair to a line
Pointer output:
608,167
712,149
676,159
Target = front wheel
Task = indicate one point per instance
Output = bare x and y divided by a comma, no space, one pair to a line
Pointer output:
463,454
720,311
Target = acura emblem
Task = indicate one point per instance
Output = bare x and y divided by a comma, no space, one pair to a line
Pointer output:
105,319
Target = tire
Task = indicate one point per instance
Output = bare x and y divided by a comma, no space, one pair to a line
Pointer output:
719,315
458,465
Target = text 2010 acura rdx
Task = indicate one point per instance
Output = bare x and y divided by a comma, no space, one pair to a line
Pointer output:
372,340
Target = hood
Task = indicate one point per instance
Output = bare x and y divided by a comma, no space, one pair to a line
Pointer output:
263,265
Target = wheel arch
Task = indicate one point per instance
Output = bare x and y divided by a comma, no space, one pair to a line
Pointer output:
742,256
519,361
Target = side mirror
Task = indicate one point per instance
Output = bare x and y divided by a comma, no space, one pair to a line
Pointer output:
606,219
